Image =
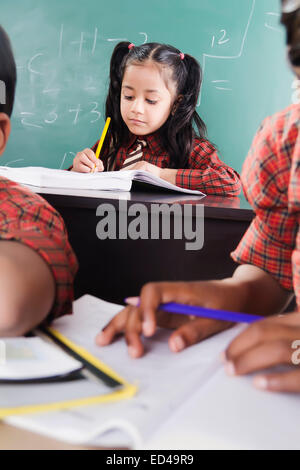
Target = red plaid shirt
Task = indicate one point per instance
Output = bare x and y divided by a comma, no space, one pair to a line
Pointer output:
271,182
206,171
27,218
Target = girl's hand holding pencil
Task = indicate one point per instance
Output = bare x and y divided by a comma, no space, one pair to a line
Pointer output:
86,162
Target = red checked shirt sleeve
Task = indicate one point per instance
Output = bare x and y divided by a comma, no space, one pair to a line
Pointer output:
27,218
207,173
270,241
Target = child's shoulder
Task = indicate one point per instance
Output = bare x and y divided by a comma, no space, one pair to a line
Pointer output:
283,120
272,150
12,191
293,110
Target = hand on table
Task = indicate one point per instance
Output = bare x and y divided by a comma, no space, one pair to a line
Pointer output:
135,321
268,343
145,166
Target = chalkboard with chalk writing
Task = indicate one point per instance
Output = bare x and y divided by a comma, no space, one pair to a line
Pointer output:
63,48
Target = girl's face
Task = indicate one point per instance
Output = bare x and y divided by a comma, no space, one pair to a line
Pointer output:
146,102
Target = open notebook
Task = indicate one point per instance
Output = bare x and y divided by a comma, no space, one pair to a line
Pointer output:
165,381
108,180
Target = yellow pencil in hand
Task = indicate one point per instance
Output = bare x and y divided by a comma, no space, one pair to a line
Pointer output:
102,139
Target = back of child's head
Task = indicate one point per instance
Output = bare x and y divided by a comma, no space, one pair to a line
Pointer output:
8,74
290,18
185,73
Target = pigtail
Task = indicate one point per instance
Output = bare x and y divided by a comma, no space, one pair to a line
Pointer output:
294,53
180,130
291,21
118,131
192,90
7,73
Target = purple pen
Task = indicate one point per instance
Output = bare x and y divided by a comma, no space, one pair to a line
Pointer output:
196,311
203,312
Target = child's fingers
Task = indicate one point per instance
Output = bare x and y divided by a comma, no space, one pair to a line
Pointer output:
290,319
86,160
127,321
80,168
194,331
132,301
258,333
150,299
100,165
155,293
283,382
82,163
91,155
97,164
136,166
133,334
113,328
87,157
260,357
129,167
163,319
171,320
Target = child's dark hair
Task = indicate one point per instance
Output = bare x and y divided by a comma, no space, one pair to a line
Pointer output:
177,133
290,18
8,74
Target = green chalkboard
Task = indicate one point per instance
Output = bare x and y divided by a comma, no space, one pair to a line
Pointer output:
63,49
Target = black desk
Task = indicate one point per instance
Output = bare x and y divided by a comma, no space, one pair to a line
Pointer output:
113,269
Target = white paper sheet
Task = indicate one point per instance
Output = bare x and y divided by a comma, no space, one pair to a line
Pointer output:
107,180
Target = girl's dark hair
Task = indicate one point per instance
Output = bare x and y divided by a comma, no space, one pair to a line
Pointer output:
290,18
177,133
8,74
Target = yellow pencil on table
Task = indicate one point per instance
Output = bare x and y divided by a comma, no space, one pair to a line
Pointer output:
102,139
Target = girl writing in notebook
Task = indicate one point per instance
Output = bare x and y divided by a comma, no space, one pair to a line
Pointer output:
152,100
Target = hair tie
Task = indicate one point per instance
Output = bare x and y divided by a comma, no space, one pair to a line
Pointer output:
131,45
289,6
181,55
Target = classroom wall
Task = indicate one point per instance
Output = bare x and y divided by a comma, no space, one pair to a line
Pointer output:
63,48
